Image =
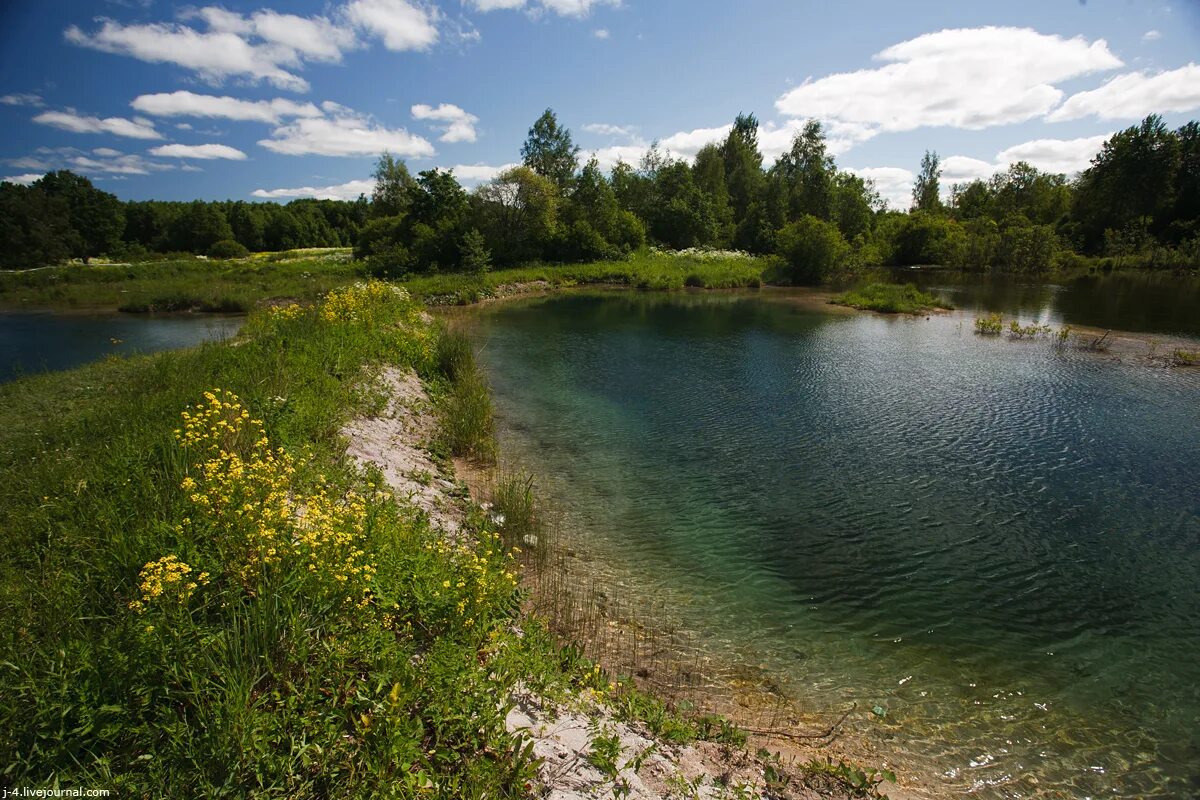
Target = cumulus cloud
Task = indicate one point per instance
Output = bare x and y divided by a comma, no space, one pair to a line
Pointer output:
564,8
401,25
24,180
615,131
609,157
600,33
967,78
458,125
1134,95
1151,36
22,100
214,55
71,120
190,104
960,169
96,162
1067,156
344,134
342,191
203,151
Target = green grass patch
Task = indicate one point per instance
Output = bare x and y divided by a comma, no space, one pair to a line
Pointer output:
644,270
181,285
891,298
167,636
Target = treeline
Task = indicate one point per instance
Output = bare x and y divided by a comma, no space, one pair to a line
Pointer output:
63,216
1138,204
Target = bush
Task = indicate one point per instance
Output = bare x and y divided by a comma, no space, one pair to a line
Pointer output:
814,250
227,249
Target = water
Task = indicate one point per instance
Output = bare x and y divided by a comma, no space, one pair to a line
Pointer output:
1159,303
996,541
36,342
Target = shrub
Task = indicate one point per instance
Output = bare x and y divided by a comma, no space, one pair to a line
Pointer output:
814,249
227,249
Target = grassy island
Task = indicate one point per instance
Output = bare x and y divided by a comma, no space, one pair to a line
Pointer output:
891,298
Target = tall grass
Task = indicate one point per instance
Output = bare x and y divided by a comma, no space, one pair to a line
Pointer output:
467,423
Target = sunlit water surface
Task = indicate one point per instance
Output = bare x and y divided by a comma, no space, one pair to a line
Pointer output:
997,542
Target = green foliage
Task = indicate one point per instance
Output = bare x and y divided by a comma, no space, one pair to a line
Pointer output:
926,189
891,298
991,325
394,187
474,255
550,152
858,782
227,249
814,250
1027,248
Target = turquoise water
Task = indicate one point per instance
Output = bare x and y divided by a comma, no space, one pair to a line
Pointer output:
35,342
996,541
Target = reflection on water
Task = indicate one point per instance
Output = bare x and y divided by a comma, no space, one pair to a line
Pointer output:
996,541
1150,302
36,342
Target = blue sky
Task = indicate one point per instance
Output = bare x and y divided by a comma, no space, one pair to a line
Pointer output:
270,99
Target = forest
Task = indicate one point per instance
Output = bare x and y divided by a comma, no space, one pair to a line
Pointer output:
1137,205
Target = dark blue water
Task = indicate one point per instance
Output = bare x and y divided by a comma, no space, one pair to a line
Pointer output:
37,342
997,541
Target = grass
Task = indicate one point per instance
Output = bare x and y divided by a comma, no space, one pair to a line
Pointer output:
643,270
891,298
181,285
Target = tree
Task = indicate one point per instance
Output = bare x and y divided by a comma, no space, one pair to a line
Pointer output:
814,249
199,227
853,202
550,152
34,227
474,255
681,215
808,171
96,217
518,212
708,170
744,178
393,187
926,189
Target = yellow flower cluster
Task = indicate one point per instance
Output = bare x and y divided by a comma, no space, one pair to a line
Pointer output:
360,302
284,313
166,580
479,583
247,502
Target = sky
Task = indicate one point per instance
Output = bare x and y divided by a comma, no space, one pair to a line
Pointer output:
278,100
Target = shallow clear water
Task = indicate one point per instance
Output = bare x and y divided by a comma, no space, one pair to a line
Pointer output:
997,541
35,342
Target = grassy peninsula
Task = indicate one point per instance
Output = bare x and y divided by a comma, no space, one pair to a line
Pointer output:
891,298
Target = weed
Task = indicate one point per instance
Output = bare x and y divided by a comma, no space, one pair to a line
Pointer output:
991,325
891,298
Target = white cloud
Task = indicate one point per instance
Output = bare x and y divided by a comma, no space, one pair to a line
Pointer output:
204,151
400,24
22,100
24,180
71,120
315,38
190,104
959,169
564,8
106,152
214,55
346,134
968,78
616,131
1135,95
608,157
342,191
1151,36
1066,156
120,165
478,173
600,33
686,144
459,125
894,184
29,162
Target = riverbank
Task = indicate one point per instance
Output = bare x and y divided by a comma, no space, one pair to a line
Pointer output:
225,601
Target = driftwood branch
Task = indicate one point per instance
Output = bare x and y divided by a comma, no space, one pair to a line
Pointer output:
825,734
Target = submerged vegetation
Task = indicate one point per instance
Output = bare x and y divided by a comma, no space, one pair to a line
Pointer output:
891,298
